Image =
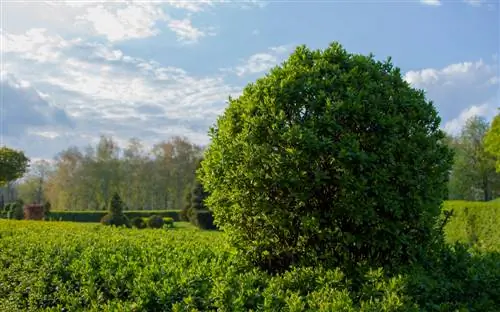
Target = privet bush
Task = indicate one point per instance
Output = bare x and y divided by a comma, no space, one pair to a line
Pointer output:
331,157
78,268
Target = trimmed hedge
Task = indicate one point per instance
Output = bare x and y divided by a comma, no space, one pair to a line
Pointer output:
82,267
474,223
96,216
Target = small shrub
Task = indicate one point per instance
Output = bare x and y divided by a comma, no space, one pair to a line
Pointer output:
46,208
16,210
115,220
168,222
116,205
204,220
139,223
155,222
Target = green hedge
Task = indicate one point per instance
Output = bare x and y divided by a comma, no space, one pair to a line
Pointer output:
474,223
96,216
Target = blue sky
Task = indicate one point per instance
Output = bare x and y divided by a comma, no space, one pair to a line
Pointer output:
73,70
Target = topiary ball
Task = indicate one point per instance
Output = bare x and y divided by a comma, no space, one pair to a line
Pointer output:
155,222
139,223
332,157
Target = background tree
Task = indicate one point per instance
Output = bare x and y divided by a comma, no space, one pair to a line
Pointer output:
331,157
492,141
144,179
473,175
13,165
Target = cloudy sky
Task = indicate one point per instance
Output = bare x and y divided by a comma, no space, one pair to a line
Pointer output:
73,70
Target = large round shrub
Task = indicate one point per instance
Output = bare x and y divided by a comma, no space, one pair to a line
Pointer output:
330,157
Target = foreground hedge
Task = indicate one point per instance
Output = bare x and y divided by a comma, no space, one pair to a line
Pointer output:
474,223
87,267
96,216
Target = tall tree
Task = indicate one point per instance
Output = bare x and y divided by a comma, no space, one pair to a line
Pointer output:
492,141
473,174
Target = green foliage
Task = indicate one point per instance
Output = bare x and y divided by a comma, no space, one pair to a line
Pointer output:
473,176
16,210
96,216
115,215
81,267
185,211
116,220
331,157
203,219
492,141
475,224
168,222
139,223
13,164
116,205
197,207
46,207
456,279
155,222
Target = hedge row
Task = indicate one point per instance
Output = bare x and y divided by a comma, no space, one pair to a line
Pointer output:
474,223
63,266
96,216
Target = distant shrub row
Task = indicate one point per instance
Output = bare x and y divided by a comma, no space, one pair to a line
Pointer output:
153,222
474,223
96,216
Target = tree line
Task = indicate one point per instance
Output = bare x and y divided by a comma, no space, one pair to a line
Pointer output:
163,177
86,179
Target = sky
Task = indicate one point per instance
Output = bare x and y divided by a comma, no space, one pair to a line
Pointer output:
74,70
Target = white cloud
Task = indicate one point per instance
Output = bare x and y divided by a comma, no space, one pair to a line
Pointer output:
23,108
261,62
431,2
486,110
35,44
193,6
104,90
458,88
127,22
185,31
